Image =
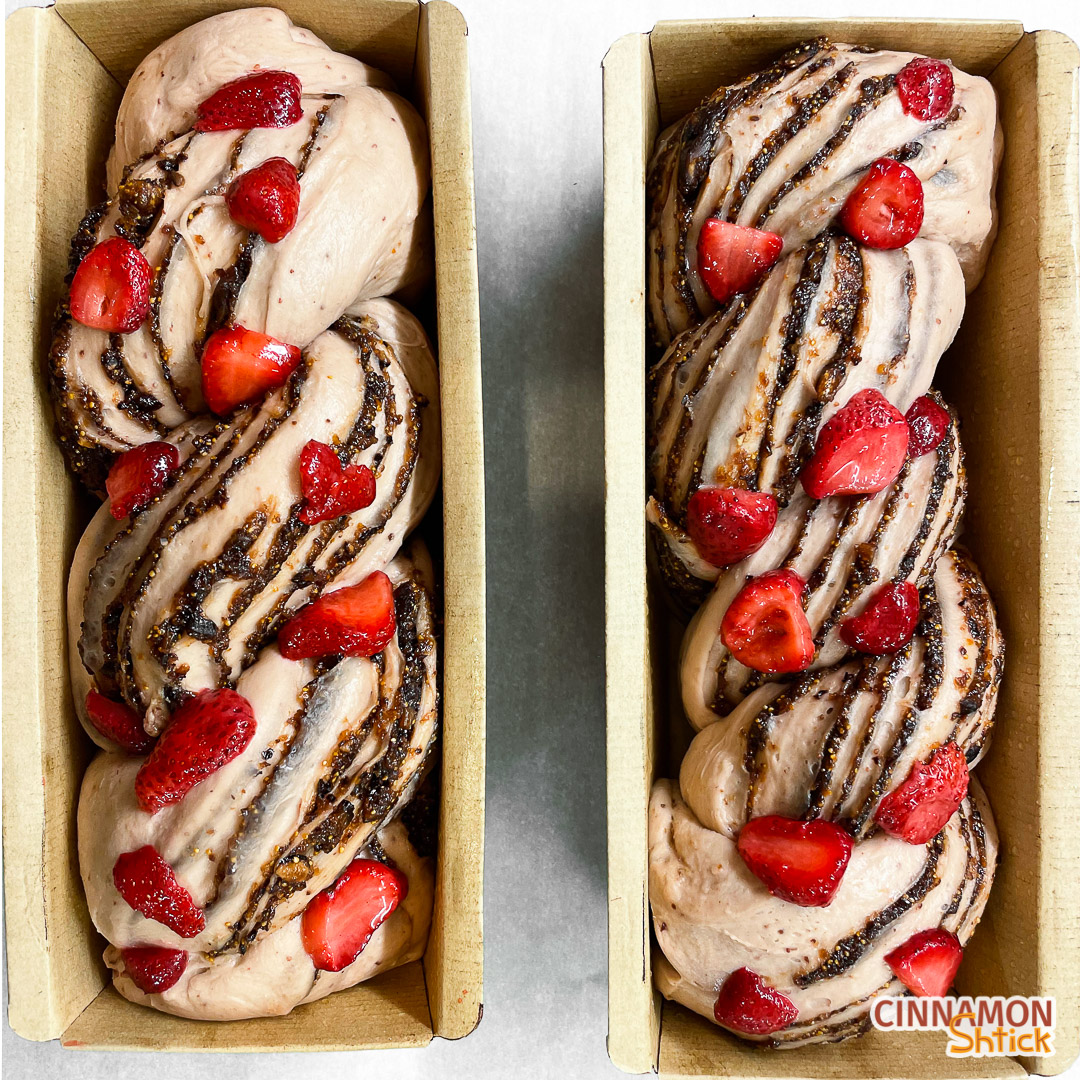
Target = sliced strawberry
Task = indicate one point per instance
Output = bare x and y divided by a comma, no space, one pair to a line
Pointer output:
859,450
329,490
886,623
747,1003
886,208
138,476
927,423
205,733
927,962
118,722
801,862
727,524
265,99
111,287
239,366
732,258
154,968
355,621
926,88
266,199
921,806
147,882
766,628
339,922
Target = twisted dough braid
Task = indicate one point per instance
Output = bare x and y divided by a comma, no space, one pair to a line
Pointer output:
737,400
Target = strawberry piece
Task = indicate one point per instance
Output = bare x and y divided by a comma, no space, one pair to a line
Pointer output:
732,258
240,365
147,882
927,423
138,476
329,490
339,922
886,208
927,962
205,733
264,99
921,806
859,451
727,524
118,722
926,88
154,968
747,1003
355,621
766,628
886,623
266,199
111,287
801,862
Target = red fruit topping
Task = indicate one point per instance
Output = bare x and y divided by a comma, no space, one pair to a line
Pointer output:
339,922
118,722
266,199
886,623
766,628
801,862
154,968
886,208
927,962
926,88
329,490
927,423
859,451
732,258
727,524
205,733
111,287
921,806
138,476
748,1004
266,99
239,366
147,882
355,621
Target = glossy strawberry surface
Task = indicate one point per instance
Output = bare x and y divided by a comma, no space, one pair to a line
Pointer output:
765,627
138,476
339,922
802,862
885,210
264,99
859,450
747,1003
927,962
887,622
205,733
728,524
154,968
733,258
926,88
111,287
927,423
921,806
329,489
355,621
239,366
119,722
147,884
266,199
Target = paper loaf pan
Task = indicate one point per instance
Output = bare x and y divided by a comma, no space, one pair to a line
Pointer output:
1014,374
66,68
